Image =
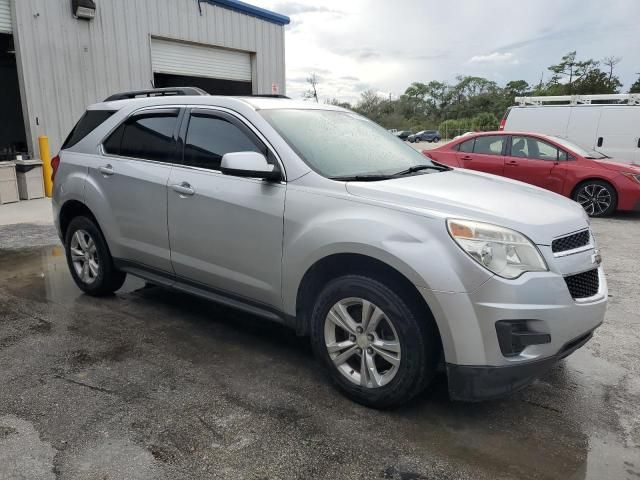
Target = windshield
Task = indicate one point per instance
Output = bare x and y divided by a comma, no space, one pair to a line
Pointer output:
586,153
343,144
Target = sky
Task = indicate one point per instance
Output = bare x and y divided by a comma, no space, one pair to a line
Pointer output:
355,45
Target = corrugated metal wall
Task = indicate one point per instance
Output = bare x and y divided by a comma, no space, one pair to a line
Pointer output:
66,64
5,16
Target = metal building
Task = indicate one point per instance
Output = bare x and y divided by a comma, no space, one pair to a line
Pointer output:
58,56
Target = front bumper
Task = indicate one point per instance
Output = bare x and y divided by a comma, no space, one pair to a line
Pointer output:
472,383
476,361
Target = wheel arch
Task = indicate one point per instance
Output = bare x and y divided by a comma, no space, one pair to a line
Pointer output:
336,265
72,209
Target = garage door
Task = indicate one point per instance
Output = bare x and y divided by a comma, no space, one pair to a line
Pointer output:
5,16
199,61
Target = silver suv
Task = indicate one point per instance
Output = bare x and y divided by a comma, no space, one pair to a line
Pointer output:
317,218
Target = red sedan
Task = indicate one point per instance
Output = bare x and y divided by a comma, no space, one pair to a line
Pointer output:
600,185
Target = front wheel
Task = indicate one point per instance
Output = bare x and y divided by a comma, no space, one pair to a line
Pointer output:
598,198
376,346
89,259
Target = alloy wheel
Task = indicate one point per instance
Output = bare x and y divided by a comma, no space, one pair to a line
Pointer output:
595,199
362,342
84,256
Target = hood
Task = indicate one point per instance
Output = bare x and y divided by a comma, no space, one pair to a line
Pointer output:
539,214
617,166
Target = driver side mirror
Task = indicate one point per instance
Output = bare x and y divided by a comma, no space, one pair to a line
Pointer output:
249,165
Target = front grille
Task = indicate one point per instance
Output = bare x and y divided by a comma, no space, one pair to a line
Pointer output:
583,285
575,240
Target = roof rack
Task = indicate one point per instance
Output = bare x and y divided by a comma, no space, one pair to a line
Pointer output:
610,99
269,95
156,92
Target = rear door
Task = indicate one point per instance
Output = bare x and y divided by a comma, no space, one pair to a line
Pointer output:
130,186
537,162
225,231
484,153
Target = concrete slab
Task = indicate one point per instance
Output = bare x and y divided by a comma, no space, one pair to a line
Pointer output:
36,211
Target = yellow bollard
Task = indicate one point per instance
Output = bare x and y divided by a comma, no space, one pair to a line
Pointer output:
47,169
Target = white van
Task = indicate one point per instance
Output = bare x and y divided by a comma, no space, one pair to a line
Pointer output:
610,128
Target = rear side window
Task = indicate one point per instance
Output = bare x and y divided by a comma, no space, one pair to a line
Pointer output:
209,137
148,135
489,145
467,146
87,124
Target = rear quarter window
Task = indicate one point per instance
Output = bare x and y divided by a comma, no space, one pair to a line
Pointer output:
87,124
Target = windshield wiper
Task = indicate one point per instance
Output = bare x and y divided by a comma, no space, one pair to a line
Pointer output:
362,178
417,168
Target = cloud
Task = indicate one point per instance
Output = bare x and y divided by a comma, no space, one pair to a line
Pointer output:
495,58
291,8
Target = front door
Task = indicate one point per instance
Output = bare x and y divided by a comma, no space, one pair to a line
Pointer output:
225,232
537,162
484,153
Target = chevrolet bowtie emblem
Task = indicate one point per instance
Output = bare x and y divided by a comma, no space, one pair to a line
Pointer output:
596,258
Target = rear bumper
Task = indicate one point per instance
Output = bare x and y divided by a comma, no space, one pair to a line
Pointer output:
472,383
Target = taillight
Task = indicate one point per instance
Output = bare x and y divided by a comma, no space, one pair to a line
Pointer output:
503,122
55,163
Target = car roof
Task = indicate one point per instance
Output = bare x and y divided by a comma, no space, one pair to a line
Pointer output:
506,132
257,103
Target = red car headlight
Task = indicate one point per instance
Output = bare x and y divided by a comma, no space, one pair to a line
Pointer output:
632,176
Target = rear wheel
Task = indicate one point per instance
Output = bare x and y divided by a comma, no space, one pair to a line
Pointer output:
376,346
89,259
598,198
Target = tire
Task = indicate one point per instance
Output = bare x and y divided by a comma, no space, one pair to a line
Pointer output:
409,339
597,197
436,140
99,277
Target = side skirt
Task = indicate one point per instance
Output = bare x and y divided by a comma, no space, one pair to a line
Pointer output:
165,279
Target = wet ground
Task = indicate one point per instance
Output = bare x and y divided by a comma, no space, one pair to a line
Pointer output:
153,384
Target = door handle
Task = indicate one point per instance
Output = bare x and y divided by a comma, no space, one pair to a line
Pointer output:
106,170
183,188
511,162
466,157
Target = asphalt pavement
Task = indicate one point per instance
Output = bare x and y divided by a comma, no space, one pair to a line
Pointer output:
154,384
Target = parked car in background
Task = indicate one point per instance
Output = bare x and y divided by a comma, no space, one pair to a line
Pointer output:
425,136
393,130
611,129
592,179
403,134
316,218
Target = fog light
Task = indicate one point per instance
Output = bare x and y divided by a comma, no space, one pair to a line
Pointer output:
514,336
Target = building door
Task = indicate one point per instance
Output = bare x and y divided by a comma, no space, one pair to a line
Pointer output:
217,71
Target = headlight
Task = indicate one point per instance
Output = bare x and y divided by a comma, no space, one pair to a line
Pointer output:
632,176
502,251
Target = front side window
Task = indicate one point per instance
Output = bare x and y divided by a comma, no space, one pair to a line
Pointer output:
338,143
528,147
209,137
148,135
489,145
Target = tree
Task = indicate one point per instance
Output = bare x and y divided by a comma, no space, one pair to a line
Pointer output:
516,88
369,104
570,70
611,63
312,93
337,103
596,81
635,88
